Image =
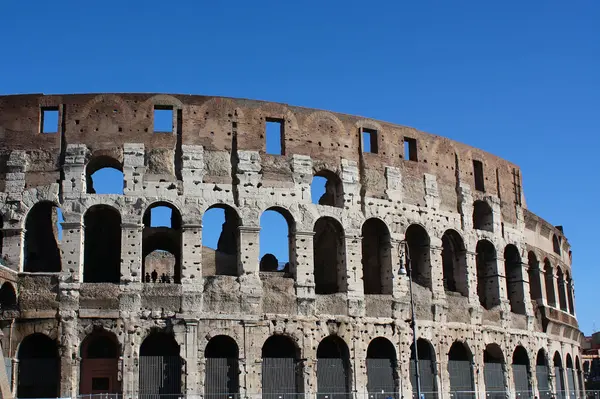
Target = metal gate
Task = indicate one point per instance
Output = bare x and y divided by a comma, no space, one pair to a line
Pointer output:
381,383
493,376
541,373
221,378
38,378
159,375
427,378
559,383
580,381
333,381
521,379
461,379
571,381
280,378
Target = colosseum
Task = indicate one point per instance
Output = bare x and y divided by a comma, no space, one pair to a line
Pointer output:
418,269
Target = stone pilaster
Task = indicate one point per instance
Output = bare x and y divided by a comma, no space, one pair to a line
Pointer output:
305,279
250,283
131,253
74,169
72,249
192,169
353,275
191,255
133,168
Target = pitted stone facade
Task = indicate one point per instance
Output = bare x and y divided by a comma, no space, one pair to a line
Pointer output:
491,280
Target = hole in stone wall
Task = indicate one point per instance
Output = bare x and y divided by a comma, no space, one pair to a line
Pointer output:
161,244
514,279
163,119
104,175
8,297
419,255
327,189
274,135
555,244
410,149
376,258
478,174
488,289
49,122
454,263
483,217
369,140
329,256
220,241
276,227
42,235
102,253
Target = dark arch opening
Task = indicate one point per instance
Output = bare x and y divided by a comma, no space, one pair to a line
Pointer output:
8,297
493,372
556,244
104,175
160,365
327,189
281,372
562,299
483,217
460,370
569,287
549,277
277,241
102,253
514,279
161,235
559,378
427,371
329,256
376,258
222,370
535,284
488,288
41,239
542,375
454,263
220,241
419,255
333,368
39,368
381,364
99,364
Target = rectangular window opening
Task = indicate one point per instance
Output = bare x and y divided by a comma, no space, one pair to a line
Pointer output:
478,173
49,120
274,133
410,149
163,119
369,140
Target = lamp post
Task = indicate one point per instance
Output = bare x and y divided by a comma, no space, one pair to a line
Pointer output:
405,269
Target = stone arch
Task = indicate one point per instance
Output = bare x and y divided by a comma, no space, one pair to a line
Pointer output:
562,298
336,127
268,261
542,373
493,371
521,372
535,283
102,164
460,370
222,369
329,256
376,257
282,372
161,244
109,101
333,368
102,250
488,285
454,263
99,364
381,366
514,279
332,192
549,279
425,355
39,367
419,254
222,257
41,250
8,297
160,353
483,216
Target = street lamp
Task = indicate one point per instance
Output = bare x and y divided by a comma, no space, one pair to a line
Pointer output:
405,269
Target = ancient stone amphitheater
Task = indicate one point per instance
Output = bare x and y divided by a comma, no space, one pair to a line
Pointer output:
96,298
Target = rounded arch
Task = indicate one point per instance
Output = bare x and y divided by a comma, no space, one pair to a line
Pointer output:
104,175
221,346
381,363
426,359
281,371
425,350
418,254
376,257
329,256
331,347
39,367
277,236
520,356
514,279
541,358
488,285
280,346
222,369
102,251
483,216
460,367
41,238
493,354
493,371
99,353
100,345
569,361
381,348
327,189
8,297
549,280
220,240
333,366
557,360
454,262
172,217
521,371
460,351
159,344
570,298
161,236
160,364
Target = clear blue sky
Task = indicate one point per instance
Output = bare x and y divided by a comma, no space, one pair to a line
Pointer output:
520,79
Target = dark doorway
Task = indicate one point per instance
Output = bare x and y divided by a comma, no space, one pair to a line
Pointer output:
281,371
333,369
99,365
542,375
160,366
39,368
41,239
102,255
329,256
520,368
493,372
381,369
460,369
376,258
427,371
222,369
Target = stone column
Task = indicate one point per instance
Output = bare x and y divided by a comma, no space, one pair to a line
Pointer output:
305,280
131,253
191,358
72,249
437,284
542,276
191,255
131,361
67,346
352,275
474,302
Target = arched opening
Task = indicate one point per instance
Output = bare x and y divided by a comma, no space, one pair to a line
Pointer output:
493,372
329,256
220,241
281,372
549,277
333,369
535,284
102,253
556,244
427,371
104,175
520,371
579,378
376,258
483,217
39,368
419,255
160,366
514,279
99,364
460,370
327,189
381,365
542,374
454,263
562,298
161,243
222,370
8,297
559,378
276,240
572,389
41,250
570,299
488,285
